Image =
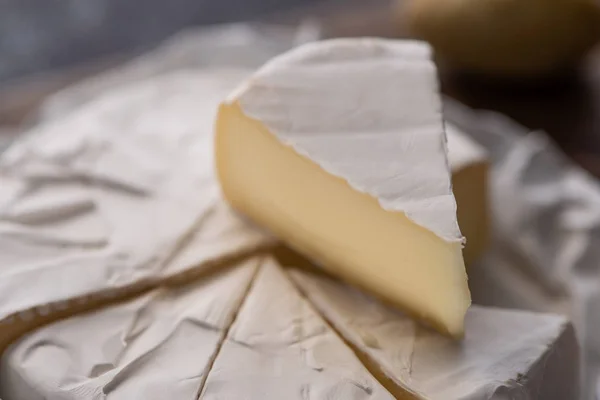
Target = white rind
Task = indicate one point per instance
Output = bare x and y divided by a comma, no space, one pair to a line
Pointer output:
157,346
546,215
462,150
367,111
103,198
280,348
505,354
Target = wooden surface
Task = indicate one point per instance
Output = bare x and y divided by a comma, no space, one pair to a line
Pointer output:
567,108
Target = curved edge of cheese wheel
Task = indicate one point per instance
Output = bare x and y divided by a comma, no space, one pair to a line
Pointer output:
345,231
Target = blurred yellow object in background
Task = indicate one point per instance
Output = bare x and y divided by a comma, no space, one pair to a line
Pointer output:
506,37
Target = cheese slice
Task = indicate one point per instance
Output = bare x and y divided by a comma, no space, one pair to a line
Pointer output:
157,346
469,164
280,348
470,167
338,147
97,204
505,354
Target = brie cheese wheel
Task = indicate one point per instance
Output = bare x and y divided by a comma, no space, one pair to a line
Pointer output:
338,147
505,354
280,348
98,203
248,332
469,164
158,346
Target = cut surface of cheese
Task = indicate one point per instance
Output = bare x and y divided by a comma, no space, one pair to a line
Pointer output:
280,348
505,354
338,148
100,201
469,164
157,346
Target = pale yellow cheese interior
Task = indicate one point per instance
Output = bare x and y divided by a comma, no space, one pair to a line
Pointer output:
345,231
469,184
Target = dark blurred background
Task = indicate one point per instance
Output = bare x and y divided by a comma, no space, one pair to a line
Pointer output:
48,44
38,35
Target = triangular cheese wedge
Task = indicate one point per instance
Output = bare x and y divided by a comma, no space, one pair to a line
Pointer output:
98,203
338,147
280,348
505,354
158,346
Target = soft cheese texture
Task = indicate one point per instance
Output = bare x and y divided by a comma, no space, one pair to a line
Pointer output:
280,348
338,147
469,165
340,101
505,354
157,346
100,201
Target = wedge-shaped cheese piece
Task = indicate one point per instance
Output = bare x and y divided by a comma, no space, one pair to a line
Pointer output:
280,348
338,147
157,346
99,202
469,165
505,354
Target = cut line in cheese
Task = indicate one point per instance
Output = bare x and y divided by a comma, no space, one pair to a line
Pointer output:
280,348
96,205
317,148
248,332
156,346
505,354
